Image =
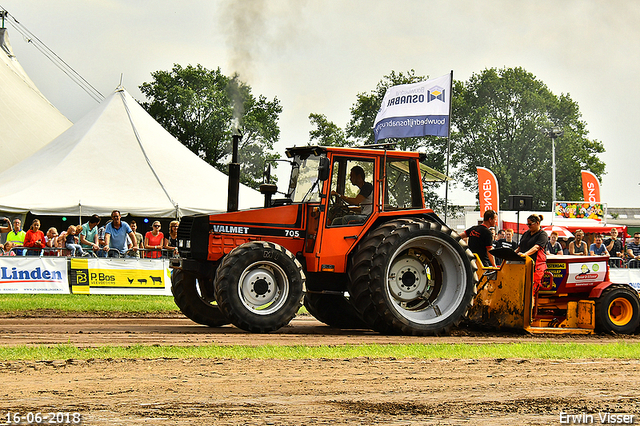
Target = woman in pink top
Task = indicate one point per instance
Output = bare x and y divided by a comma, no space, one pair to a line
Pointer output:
154,240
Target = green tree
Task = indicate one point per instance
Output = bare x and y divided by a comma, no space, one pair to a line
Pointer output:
359,131
201,108
500,120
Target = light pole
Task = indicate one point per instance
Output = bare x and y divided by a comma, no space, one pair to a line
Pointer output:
554,133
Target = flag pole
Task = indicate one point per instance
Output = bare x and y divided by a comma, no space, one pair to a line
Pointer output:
446,182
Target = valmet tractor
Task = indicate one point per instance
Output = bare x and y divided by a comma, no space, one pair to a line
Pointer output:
388,264
575,296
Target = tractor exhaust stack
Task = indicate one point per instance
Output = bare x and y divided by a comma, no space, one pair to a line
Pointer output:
234,175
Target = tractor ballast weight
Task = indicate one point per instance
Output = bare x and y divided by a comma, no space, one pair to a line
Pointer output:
389,264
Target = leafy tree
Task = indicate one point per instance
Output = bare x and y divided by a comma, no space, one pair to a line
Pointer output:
359,131
500,119
201,108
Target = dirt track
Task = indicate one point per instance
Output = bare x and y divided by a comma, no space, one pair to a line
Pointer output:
348,391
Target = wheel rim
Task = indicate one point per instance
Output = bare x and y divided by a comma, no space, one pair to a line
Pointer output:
263,287
620,311
426,280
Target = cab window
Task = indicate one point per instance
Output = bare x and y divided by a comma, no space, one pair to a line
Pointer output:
352,192
402,189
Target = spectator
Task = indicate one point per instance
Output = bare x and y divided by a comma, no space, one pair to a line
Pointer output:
480,239
34,239
89,234
16,236
613,244
565,249
171,241
501,235
577,246
51,242
6,249
139,239
553,246
7,227
533,243
116,235
633,251
71,241
597,248
154,240
101,242
507,241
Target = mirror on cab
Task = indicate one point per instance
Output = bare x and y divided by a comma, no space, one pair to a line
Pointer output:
323,169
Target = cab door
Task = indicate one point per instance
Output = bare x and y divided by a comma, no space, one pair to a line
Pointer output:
341,225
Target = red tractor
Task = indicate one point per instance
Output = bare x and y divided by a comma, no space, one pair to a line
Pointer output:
388,263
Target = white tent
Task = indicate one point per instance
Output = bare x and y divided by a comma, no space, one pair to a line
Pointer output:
28,121
117,157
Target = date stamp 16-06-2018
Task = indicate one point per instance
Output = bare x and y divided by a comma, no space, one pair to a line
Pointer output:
36,418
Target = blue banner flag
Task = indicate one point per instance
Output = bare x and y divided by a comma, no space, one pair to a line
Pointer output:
417,109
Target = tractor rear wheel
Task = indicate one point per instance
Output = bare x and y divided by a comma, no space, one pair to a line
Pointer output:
422,280
188,295
259,286
618,310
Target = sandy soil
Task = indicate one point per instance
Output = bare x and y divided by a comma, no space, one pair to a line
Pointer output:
290,392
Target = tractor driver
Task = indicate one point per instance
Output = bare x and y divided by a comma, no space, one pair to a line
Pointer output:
364,199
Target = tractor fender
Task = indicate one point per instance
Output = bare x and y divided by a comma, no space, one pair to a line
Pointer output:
596,292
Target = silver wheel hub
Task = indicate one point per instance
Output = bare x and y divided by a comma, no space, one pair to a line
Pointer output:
408,279
259,287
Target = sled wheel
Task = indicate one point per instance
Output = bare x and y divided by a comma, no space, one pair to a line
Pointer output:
422,280
188,295
259,286
618,310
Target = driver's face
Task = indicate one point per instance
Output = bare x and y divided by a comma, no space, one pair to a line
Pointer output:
352,178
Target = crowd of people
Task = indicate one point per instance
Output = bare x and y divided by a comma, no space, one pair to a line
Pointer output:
483,237
116,238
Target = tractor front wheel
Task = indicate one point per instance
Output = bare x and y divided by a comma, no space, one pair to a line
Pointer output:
618,310
259,286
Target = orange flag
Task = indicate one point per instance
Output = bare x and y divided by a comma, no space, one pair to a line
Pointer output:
590,187
488,189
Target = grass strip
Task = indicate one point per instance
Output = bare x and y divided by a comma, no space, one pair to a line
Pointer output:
545,350
86,303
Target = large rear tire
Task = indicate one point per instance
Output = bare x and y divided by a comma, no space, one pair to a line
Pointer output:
259,286
618,310
422,280
188,296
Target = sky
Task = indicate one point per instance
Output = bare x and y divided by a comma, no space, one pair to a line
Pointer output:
315,56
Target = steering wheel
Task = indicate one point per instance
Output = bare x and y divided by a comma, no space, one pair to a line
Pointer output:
339,207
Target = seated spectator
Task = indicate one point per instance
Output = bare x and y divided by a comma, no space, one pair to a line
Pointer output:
633,251
6,249
563,244
51,242
598,248
171,241
154,240
71,242
577,246
34,238
16,236
553,246
89,234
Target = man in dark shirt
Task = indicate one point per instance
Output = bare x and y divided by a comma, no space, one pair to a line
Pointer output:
480,239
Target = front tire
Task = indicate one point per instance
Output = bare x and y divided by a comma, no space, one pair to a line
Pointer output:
618,310
189,297
422,279
259,286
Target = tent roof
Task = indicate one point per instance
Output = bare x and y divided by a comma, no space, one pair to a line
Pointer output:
28,121
117,157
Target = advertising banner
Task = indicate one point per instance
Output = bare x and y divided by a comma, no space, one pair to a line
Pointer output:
590,187
120,276
416,109
488,190
579,210
587,272
33,275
